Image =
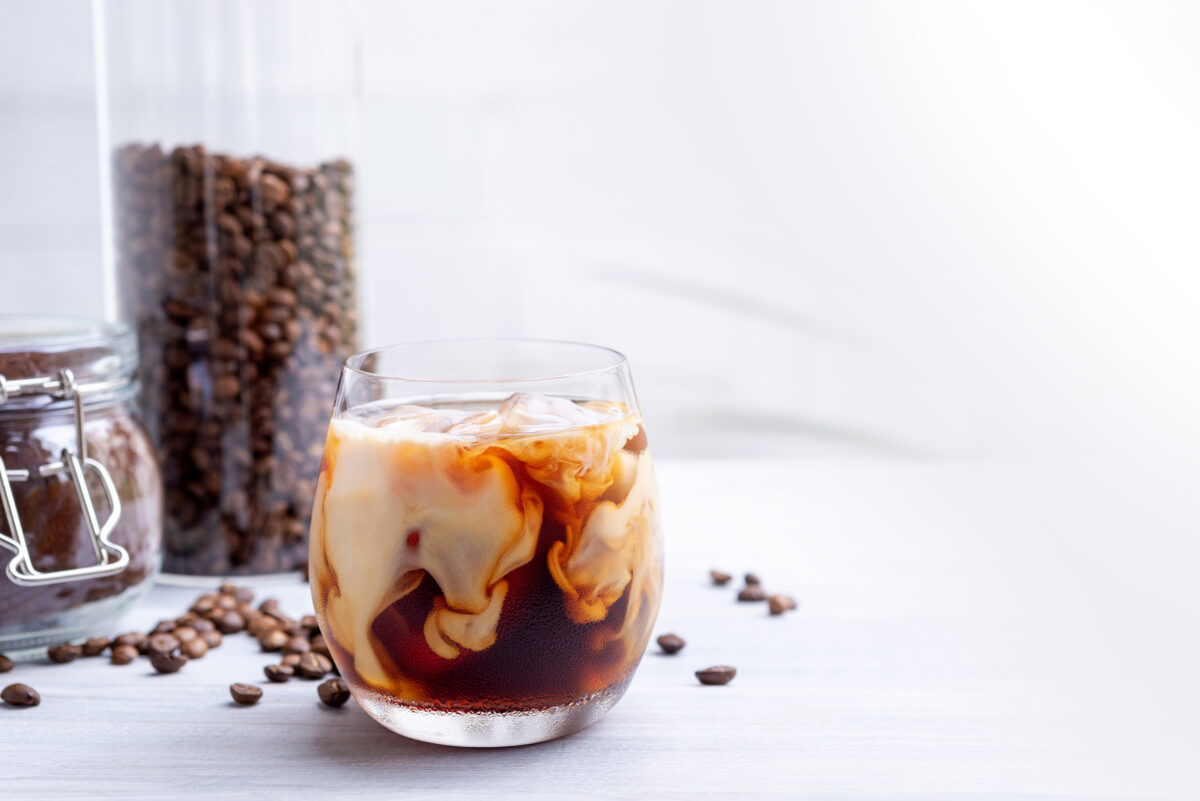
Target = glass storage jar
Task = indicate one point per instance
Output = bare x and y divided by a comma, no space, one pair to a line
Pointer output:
80,490
227,137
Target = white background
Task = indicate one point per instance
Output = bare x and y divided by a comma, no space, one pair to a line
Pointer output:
851,228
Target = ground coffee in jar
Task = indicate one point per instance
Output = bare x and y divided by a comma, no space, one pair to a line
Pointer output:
80,489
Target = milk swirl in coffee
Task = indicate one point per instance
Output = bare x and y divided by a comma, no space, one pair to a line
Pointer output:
501,555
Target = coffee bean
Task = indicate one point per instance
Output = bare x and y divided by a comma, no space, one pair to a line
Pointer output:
20,695
6,664
61,654
245,694
671,643
334,692
167,662
313,665
291,660
721,674
211,638
185,634
279,673
204,604
162,644
320,646
187,619
163,627
202,625
752,579
752,592
296,645
261,625
134,638
272,640
719,578
194,649
123,654
226,602
309,622
271,607
230,623
96,646
778,604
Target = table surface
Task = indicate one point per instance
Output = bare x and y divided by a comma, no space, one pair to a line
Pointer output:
966,631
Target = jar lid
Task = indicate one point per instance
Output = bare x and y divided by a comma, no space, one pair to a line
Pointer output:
101,355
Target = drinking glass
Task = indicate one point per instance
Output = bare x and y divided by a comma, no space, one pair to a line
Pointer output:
486,546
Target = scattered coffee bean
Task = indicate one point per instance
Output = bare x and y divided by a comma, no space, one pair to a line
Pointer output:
270,607
230,622
272,640
260,625
61,654
211,638
123,654
226,602
202,625
778,604
20,695
163,627
204,604
186,619
719,578
752,579
167,662
313,666
96,646
185,634
279,673
752,592
320,646
309,622
245,694
291,660
162,644
134,638
671,643
6,664
721,674
297,645
334,692
195,649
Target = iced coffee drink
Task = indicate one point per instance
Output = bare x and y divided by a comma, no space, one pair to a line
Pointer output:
490,556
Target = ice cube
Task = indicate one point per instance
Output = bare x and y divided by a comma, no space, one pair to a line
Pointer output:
419,418
526,412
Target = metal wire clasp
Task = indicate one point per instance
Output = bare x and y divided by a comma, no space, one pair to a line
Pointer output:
110,557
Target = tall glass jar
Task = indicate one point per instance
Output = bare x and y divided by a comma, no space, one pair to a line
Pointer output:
227,138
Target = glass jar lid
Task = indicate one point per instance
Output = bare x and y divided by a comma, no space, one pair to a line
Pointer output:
101,356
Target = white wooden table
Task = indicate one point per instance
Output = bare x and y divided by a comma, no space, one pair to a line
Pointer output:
967,631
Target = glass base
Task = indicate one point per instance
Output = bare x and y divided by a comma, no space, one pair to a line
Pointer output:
489,729
95,618
211,582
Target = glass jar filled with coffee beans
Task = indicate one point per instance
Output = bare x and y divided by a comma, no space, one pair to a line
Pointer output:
229,198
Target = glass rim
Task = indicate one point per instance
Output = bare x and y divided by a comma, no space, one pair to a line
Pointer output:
351,363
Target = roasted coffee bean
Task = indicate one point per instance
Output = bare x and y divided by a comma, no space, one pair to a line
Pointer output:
134,638
162,644
721,674
334,692
778,604
96,646
296,645
167,662
245,694
239,276
752,592
20,695
123,654
204,604
187,619
226,602
211,638
202,625
185,634
230,623
271,607
313,666
272,640
752,579
719,578
61,654
320,646
309,623
6,664
194,649
163,627
279,673
291,660
671,643
261,625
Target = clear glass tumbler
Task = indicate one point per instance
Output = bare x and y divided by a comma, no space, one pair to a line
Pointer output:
486,550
